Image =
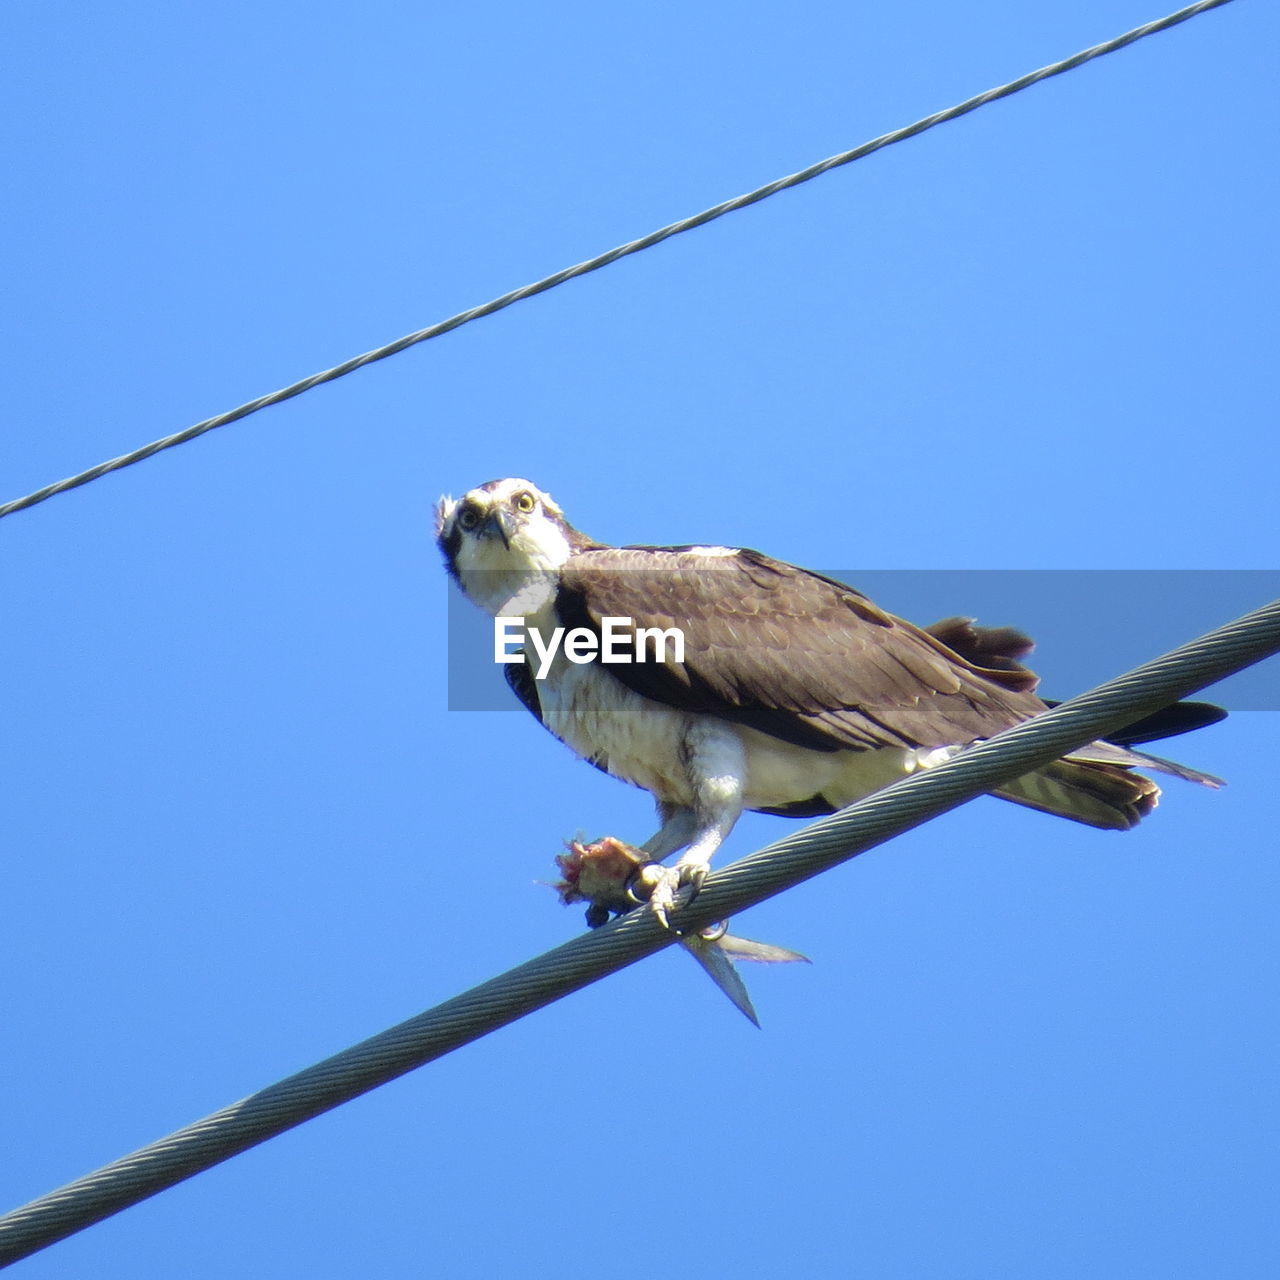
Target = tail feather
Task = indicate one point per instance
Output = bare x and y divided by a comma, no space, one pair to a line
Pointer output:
1176,770
1004,648
1099,795
1109,752
1168,722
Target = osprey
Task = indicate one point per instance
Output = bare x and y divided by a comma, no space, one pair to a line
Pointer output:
794,695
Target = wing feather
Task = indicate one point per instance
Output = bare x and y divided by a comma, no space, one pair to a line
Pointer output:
792,653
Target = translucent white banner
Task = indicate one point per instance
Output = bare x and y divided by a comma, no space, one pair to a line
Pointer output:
1088,624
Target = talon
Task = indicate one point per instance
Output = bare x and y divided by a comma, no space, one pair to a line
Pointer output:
612,877
673,888
662,896
643,881
693,874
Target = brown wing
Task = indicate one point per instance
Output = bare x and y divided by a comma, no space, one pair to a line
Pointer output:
789,652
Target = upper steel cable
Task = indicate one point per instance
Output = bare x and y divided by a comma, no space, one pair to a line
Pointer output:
604,259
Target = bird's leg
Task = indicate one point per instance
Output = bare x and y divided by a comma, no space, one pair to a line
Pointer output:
691,870
715,770
679,825
716,765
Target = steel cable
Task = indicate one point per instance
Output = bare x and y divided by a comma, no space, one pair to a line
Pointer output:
604,259
591,956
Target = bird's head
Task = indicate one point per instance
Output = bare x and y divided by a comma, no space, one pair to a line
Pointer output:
503,540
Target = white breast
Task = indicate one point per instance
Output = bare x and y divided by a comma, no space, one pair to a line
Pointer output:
646,743
632,737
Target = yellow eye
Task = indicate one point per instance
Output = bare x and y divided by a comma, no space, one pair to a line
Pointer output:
468,518
525,501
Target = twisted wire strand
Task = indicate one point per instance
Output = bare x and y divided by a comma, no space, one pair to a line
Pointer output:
591,956
605,259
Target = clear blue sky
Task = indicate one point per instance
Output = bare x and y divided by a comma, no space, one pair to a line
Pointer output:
242,828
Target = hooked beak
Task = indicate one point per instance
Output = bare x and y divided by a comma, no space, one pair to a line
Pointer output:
499,524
